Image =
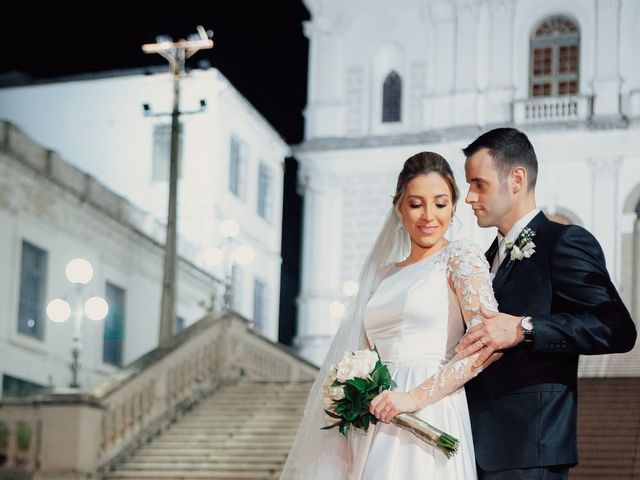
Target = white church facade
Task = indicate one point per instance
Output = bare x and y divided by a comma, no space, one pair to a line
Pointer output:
115,126
390,79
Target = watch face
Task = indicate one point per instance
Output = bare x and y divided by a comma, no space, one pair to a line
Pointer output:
526,323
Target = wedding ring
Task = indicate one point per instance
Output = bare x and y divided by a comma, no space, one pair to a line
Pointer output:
482,342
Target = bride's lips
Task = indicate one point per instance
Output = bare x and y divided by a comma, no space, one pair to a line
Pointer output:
428,230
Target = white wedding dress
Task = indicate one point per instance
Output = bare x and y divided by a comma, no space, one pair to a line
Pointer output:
415,318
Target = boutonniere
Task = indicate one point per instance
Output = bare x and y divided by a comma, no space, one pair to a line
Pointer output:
523,247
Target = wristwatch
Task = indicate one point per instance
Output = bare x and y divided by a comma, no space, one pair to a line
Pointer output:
526,325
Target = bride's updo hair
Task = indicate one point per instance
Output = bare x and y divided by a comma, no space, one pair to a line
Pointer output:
424,163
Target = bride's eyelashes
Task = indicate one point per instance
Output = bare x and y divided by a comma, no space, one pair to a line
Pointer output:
418,205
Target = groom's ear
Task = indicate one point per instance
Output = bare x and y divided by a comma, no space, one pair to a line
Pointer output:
518,179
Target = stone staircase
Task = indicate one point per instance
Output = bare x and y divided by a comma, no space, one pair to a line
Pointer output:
218,401
242,430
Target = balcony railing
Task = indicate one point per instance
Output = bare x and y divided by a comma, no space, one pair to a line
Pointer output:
574,108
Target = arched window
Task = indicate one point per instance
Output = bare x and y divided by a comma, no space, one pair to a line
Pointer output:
555,58
392,98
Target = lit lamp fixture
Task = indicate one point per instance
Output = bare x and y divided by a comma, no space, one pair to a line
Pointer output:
350,288
79,272
228,254
338,308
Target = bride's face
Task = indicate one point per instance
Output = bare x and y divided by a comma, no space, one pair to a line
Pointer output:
426,210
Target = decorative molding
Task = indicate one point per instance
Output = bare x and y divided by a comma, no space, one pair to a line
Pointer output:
507,6
417,90
355,100
608,4
331,23
466,9
442,12
605,167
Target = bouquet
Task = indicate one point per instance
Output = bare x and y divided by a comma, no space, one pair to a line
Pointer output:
357,379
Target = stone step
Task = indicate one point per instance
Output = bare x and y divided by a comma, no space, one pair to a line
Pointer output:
217,444
274,406
240,415
254,398
233,450
223,437
204,466
249,457
241,419
186,430
228,422
225,432
218,475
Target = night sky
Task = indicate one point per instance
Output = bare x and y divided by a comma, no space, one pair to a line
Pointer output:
258,45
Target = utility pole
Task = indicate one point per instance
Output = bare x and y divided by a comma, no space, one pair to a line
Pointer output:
176,53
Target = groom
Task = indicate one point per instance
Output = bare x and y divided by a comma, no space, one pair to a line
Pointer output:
556,302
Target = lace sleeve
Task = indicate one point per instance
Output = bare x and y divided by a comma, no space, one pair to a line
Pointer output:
469,277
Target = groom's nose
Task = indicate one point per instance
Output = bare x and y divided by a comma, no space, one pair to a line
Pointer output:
471,197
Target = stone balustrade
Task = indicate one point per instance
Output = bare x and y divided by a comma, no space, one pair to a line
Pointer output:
545,110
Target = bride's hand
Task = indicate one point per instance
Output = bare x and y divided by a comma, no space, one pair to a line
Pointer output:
388,404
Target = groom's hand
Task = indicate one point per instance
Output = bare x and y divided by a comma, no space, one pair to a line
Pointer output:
497,331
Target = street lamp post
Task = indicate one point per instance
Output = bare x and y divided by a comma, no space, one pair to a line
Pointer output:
230,253
79,272
176,54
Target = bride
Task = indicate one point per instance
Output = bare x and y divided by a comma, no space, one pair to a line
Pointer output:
417,293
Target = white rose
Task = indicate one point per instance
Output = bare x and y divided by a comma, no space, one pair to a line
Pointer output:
336,393
332,376
529,249
359,364
346,370
516,253
369,359
360,367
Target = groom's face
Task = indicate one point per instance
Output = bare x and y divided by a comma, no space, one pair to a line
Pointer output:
488,196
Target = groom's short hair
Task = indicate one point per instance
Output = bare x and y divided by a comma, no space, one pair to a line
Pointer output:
509,148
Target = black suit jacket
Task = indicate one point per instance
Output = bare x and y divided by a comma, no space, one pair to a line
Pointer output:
524,407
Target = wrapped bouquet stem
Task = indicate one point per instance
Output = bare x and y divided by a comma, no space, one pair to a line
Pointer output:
427,432
352,384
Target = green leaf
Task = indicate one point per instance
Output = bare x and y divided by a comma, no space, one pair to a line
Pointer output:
347,393
365,422
351,416
329,427
360,384
332,415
